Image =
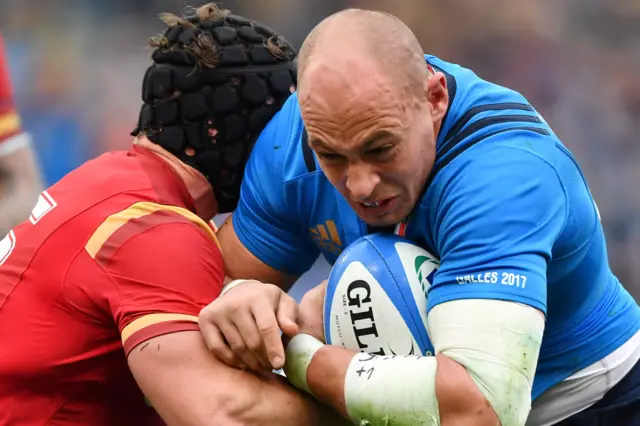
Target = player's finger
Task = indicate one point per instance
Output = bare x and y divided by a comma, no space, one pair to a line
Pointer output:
237,344
217,344
287,315
253,337
267,324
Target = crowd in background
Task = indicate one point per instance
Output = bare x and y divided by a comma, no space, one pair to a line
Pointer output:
77,68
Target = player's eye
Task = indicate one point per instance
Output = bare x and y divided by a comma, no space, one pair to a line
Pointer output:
329,156
381,151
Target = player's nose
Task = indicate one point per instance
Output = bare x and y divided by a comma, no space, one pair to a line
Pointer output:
361,181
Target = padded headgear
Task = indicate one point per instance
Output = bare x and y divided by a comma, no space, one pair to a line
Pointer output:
216,113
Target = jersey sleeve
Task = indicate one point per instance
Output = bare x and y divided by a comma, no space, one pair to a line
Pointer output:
498,219
265,221
162,270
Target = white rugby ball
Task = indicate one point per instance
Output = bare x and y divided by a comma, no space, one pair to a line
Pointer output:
376,299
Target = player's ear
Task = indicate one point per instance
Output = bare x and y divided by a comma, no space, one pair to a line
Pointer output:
437,95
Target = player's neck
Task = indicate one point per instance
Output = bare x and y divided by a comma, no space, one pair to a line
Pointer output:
197,185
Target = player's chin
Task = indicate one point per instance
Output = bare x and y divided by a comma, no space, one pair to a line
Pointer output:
380,219
380,223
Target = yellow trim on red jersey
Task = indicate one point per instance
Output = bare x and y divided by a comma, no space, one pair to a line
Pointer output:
135,211
152,319
9,124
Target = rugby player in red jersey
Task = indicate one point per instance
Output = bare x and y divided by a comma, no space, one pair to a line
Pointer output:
20,181
101,287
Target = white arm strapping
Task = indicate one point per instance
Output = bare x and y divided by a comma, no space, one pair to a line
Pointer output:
392,390
498,342
231,285
15,143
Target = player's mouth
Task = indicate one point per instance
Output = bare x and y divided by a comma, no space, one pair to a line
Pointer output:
377,208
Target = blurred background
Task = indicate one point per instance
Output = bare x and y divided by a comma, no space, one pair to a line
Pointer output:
77,67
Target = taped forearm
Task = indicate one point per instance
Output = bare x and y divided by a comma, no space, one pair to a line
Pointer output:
367,389
396,390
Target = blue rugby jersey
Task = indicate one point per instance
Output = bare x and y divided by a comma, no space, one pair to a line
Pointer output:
506,209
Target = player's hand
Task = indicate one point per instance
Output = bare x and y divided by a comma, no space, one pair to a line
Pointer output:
242,327
311,312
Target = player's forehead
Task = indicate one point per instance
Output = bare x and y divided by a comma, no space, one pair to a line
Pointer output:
354,74
347,104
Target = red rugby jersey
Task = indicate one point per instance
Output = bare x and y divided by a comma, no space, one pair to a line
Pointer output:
111,256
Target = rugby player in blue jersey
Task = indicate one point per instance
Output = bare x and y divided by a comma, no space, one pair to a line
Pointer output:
529,323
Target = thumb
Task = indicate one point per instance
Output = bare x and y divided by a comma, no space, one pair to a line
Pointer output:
287,315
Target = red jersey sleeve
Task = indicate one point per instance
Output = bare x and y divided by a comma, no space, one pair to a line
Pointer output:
165,265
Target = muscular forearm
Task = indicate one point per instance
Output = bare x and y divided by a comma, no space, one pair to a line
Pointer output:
270,400
189,387
240,263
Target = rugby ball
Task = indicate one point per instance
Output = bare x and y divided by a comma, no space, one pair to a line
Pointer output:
376,297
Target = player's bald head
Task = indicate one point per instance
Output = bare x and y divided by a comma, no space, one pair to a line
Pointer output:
371,110
370,38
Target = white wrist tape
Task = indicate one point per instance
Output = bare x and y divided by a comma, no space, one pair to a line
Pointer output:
231,285
392,390
498,342
298,356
